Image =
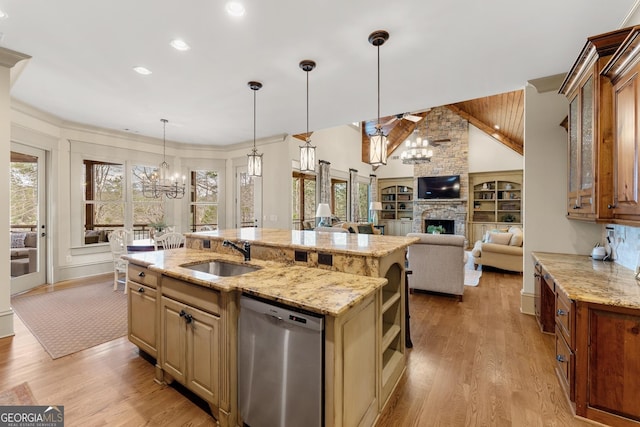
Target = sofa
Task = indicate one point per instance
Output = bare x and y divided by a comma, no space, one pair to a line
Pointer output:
24,252
500,249
437,263
358,227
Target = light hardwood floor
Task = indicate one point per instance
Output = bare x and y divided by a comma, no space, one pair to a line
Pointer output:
475,363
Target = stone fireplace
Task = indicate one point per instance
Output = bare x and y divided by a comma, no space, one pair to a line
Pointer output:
450,157
453,212
449,225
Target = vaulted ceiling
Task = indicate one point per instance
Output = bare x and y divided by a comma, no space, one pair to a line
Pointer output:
439,52
500,116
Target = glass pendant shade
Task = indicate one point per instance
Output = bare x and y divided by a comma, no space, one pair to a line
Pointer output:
307,157
378,149
254,163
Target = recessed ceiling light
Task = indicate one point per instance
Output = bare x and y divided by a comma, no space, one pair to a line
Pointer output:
142,70
180,45
235,8
496,127
3,14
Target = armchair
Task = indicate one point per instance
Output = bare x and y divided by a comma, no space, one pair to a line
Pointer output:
437,263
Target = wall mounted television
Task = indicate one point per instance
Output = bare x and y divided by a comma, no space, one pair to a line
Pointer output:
439,187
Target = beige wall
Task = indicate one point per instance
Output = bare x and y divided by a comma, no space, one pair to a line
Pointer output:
545,187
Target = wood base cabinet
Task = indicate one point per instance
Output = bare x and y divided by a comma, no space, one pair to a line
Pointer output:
607,386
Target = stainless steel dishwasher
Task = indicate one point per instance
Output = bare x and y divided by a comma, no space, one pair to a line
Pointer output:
280,365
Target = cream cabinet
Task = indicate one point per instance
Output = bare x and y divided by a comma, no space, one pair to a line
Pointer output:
191,337
590,129
142,309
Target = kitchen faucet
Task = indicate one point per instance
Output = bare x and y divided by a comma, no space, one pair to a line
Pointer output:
244,250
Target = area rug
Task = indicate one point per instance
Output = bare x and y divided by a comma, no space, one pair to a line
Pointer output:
471,275
18,395
74,319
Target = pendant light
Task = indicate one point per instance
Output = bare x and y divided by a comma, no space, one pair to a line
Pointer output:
254,163
162,183
307,151
378,141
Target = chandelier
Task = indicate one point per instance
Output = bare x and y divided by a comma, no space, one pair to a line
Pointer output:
417,151
162,183
378,140
307,151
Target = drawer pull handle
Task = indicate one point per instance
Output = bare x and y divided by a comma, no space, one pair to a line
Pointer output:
187,317
141,274
560,358
561,312
141,289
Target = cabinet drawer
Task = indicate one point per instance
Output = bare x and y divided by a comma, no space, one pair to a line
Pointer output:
197,296
565,365
565,315
143,276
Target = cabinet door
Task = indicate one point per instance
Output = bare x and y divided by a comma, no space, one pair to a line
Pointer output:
202,354
614,362
581,152
174,329
142,318
626,176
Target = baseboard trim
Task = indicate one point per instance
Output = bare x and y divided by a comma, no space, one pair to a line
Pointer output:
527,303
6,324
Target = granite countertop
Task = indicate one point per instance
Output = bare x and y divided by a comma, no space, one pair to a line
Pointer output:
584,279
317,290
346,243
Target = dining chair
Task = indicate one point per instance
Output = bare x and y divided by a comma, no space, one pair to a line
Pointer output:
169,241
118,240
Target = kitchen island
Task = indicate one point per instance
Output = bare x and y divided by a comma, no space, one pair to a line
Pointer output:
355,281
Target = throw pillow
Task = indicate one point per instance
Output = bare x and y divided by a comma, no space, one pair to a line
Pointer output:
17,240
351,230
500,238
517,238
365,229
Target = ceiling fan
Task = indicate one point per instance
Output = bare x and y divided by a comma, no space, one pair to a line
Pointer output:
405,116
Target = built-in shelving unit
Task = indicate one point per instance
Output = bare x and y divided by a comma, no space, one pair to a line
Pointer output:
392,339
396,196
496,201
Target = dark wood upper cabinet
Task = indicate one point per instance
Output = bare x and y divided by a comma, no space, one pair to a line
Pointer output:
590,129
622,70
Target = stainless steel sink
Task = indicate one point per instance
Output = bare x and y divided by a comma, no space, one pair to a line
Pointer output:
222,268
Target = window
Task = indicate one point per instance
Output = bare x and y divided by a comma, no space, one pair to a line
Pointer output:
247,202
339,201
103,199
24,192
363,201
146,211
204,200
304,201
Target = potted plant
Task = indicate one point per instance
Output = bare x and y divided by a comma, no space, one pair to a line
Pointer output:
435,229
157,228
509,218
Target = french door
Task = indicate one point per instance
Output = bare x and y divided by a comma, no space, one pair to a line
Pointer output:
28,217
248,210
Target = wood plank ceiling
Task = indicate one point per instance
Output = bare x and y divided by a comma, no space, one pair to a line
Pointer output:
505,110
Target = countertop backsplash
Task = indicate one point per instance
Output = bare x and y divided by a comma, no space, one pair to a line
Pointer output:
626,245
